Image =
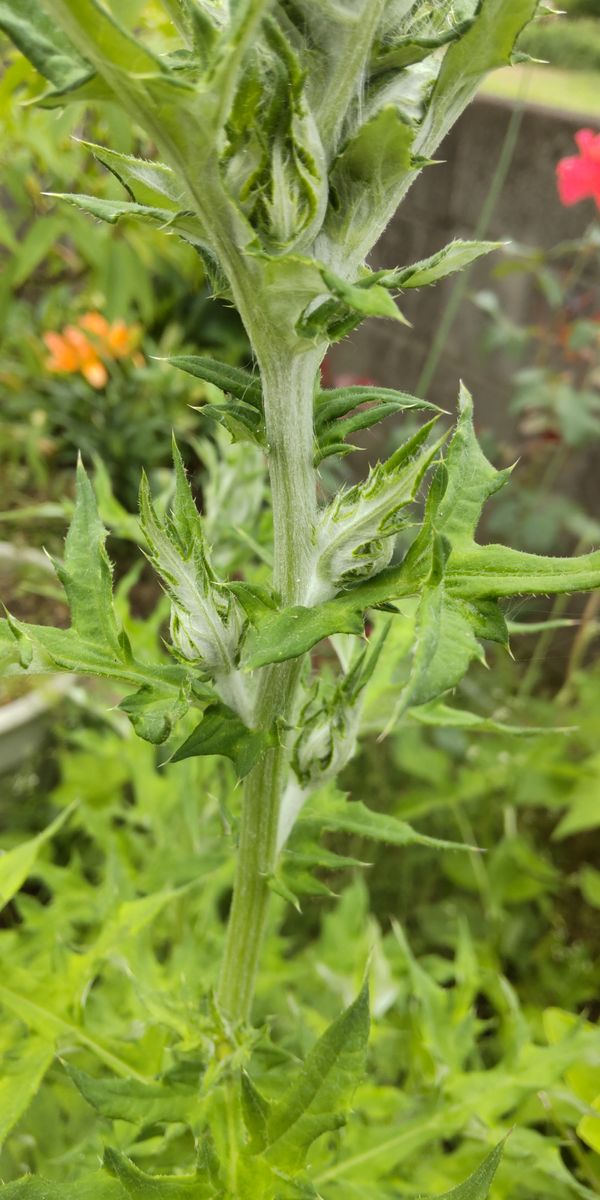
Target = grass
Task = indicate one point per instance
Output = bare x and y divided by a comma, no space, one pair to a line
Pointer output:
570,91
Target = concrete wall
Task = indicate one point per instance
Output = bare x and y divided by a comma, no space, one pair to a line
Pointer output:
446,202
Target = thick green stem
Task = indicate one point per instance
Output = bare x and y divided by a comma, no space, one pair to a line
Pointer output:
256,859
288,385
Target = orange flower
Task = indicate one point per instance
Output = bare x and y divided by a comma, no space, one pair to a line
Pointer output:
63,357
122,339
73,351
95,323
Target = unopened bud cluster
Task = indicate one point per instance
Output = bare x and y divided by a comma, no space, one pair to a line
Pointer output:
355,534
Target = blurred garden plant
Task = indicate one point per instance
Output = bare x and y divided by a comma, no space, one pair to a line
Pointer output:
286,135
556,388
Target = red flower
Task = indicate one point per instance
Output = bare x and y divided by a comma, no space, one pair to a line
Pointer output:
578,177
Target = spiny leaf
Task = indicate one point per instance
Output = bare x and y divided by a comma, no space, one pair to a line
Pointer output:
454,257
366,296
255,1111
347,305
86,572
233,380
404,51
471,479
96,33
154,712
130,1100
140,1186
448,630
184,223
144,179
438,714
222,732
493,571
477,1186
317,1101
241,411
488,43
354,817
293,631
333,424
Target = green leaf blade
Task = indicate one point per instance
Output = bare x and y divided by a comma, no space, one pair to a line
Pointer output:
318,1099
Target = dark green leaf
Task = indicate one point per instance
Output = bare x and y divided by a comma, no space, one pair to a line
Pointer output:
42,42
333,425
222,732
233,380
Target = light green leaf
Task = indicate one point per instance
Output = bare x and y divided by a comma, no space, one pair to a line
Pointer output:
255,1111
437,713
154,712
455,257
62,649
16,865
447,636
400,52
145,179
477,1186
318,1100
86,572
130,1100
471,479
494,571
295,630
354,817
17,1000
140,1186
92,1187
184,223
367,176
366,297
488,43
222,732
21,1073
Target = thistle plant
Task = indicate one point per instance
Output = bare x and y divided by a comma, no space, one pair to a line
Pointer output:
286,132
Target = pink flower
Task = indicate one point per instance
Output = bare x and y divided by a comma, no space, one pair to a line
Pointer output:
578,177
